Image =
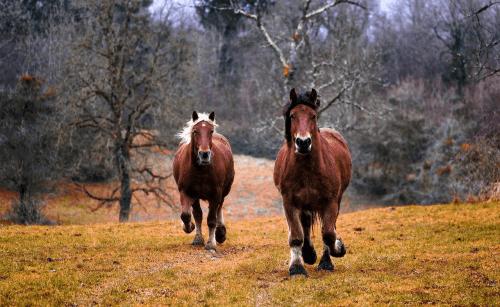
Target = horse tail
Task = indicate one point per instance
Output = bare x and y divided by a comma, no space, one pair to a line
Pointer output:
316,219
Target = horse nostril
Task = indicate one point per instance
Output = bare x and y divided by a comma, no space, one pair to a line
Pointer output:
205,155
307,142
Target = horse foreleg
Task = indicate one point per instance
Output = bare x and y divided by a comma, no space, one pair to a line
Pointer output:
220,230
333,245
212,224
186,203
198,219
308,252
295,241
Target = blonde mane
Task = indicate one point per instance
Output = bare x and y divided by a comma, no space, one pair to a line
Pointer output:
185,134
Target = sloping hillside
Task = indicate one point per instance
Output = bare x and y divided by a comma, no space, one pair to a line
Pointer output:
445,254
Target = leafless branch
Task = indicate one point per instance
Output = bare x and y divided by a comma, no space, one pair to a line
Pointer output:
330,5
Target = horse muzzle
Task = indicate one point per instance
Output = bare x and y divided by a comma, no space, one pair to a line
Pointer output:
204,157
303,145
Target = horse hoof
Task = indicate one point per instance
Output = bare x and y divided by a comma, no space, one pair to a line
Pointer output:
309,254
339,250
210,247
198,241
325,266
220,234
188,229
297,270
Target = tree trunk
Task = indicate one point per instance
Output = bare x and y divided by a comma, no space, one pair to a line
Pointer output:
125,191
22,193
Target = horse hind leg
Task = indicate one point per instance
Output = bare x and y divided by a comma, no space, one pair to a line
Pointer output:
198,219
339,250
325,263
220,229
333,245
308,252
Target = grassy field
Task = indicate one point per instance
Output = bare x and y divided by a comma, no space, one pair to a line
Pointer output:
444,254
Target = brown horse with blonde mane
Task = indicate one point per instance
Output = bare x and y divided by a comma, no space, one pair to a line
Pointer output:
312,171
203,169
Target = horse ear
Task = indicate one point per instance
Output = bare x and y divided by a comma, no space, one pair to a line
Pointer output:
211,116
293,95
195,116
313,96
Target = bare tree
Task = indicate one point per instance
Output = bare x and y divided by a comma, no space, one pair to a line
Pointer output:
118,70
295,53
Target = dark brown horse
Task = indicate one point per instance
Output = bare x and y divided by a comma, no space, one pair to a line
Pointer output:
203,169
312,171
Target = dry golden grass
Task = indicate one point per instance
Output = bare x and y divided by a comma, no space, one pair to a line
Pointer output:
447,254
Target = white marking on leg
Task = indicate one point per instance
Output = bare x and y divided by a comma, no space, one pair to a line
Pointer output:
220,218
211,237
296,255
338,246
198,229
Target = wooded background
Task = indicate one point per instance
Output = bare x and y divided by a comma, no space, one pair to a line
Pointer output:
91,90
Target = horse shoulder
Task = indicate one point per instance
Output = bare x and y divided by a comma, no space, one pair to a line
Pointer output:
222,141
223,148
340,153
333,137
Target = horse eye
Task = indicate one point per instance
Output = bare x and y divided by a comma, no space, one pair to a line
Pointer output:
292,116
313,117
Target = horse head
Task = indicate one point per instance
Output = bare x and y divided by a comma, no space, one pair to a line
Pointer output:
201,136
301,115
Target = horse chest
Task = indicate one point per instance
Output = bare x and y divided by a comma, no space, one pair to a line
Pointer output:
202,187
310,192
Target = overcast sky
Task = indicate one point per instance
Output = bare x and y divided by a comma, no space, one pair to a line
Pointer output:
186,6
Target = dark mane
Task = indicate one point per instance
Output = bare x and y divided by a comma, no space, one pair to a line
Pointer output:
308,98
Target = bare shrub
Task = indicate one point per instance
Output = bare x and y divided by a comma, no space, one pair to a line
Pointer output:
478,168
28,212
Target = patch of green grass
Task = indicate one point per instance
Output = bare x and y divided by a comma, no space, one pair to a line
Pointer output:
447,254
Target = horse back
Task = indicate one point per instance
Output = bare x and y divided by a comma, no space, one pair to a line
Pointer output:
341,154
